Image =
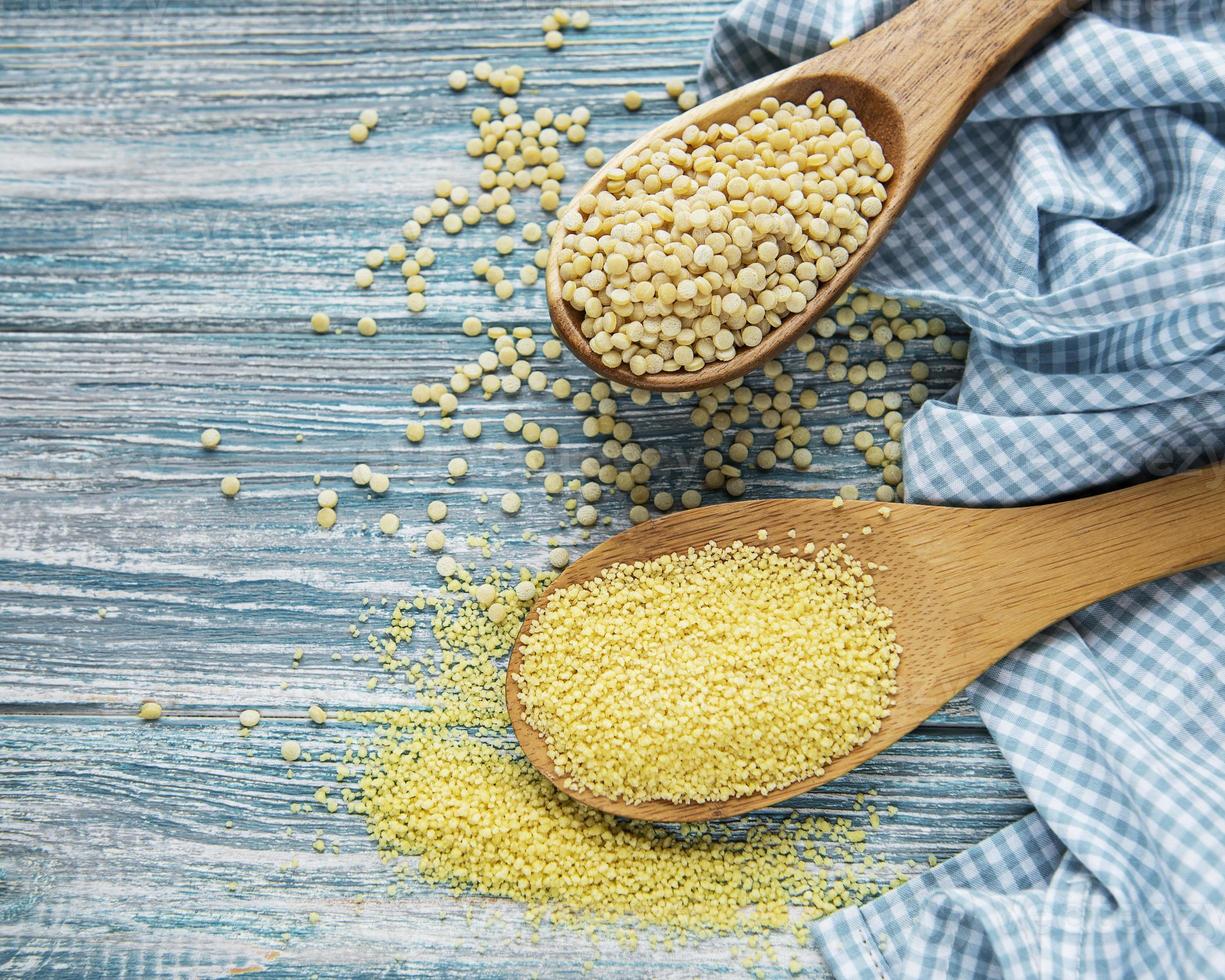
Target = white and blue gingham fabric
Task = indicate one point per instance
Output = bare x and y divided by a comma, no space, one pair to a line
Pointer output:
1077,223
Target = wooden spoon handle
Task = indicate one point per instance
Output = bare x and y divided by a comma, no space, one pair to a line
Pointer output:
936,58
1054,559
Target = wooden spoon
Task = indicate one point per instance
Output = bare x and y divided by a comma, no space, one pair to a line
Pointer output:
966,586
911,81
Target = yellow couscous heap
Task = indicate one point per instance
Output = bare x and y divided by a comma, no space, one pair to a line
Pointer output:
481,818
443,781
716,673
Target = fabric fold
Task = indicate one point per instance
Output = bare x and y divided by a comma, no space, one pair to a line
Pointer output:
1076,223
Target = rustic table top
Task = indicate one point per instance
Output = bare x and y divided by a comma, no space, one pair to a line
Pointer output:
177,194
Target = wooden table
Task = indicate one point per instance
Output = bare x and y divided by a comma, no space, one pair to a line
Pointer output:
177,194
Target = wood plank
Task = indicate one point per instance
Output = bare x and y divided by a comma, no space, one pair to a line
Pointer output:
116,858
111,502
192,154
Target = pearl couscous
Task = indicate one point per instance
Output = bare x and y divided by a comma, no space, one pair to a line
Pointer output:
389,524
700,245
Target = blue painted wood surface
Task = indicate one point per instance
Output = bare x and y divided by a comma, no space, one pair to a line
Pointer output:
177,194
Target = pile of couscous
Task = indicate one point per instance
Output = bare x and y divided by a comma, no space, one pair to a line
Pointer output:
442,781
709,674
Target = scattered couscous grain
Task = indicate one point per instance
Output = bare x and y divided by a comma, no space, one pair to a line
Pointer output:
230,486
477,816
389,524
149,711
210,438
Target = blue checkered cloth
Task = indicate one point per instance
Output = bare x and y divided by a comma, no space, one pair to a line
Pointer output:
1077,223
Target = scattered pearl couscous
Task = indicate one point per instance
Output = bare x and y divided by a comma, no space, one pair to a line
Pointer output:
149,711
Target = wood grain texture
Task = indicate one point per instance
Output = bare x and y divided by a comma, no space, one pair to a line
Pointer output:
177,194
965,586
141,885
911,81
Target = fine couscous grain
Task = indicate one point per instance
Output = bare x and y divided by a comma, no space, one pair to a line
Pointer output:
149,711
478,817
660,680
517,837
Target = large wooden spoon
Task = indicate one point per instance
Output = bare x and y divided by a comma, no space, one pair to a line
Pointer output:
966,586
912,80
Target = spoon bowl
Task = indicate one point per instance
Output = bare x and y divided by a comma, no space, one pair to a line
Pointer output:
965,586
911,81
882,122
